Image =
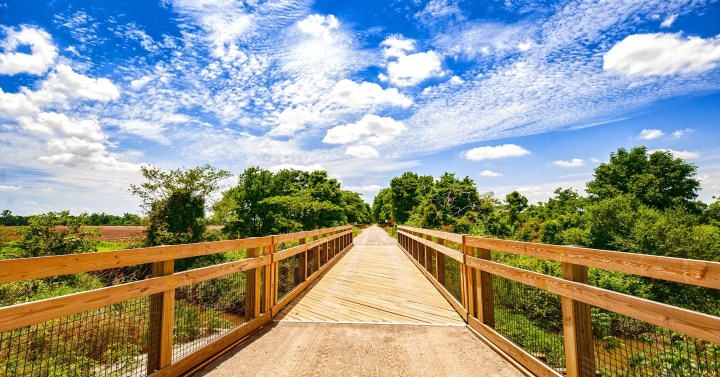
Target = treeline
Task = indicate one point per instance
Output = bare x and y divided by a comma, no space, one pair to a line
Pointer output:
638,202
7,218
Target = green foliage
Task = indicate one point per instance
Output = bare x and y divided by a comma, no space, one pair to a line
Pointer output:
264,203
657,180
43,237
175,202
408,190
8,219
382,206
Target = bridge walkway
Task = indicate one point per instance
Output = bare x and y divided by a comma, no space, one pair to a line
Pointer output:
372,314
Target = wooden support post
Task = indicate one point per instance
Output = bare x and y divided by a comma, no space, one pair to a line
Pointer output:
577,327
252,288
470,281
464,277
484,294
275,273
162,321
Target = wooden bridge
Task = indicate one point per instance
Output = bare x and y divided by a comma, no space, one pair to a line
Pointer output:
322,303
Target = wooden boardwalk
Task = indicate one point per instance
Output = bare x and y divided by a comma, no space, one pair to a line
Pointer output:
373,313
374,283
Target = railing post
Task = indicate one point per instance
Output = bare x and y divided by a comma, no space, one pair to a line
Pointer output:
162,321
484,295
577,327
469,279
252,288
464,277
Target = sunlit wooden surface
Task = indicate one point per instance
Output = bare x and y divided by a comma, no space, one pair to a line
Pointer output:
374,283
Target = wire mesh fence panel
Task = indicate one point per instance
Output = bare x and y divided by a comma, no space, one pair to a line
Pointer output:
531,318
18,292
453,278
432,268
289,275
311,261
206,311
108,341
626,346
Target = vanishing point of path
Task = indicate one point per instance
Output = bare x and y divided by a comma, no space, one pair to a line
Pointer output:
371,314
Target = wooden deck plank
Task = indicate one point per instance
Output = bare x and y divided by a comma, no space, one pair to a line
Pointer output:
374,283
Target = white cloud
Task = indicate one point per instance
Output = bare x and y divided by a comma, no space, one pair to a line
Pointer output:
363,189
679,133
575,162
669,21
308,168
378,130
662,54
319,26
42,51
524,46
354,95
362,151
76,152
685,155
293,119
397,46
51,123
410,70
650,134
490,173
141,82
10,188
17,104
66,82
152,130
494,153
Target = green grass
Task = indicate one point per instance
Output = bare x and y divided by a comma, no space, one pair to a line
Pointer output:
111,245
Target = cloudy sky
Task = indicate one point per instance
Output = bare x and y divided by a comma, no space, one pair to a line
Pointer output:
527,95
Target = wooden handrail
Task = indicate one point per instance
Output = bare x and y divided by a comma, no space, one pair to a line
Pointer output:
688,271
576,294
262,255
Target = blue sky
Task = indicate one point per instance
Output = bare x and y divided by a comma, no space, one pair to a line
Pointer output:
518,95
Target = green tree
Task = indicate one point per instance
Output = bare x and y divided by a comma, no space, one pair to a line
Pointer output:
264,203
658,180
175,202
408,191
382,209
356,210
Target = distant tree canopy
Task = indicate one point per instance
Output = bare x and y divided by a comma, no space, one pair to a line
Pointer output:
657,180
94,219
264,203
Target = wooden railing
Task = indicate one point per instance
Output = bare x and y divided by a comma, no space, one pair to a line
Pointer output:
430,249
315,251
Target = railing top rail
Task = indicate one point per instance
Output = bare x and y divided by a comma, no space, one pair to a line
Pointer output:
57,265
687,271
452,237
679,270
